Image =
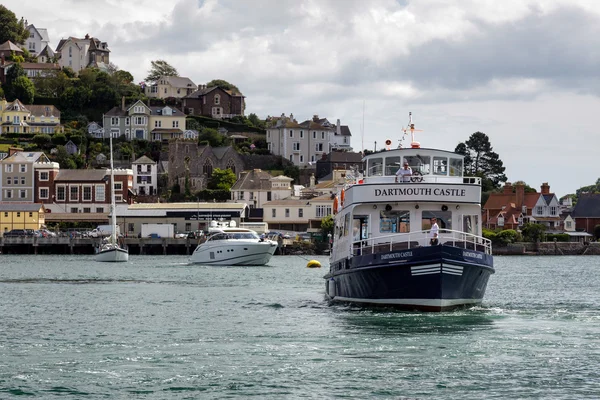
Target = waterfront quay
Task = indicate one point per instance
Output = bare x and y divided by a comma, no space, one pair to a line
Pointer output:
87,245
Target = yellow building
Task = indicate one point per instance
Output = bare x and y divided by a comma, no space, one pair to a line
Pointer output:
21,216
166,123
19,118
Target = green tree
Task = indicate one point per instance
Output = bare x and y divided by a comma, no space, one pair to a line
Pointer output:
42,141
11,28
222,179
528,189
160,68
59,139
293,172
255,121
327,225
52,84
223,85
482,161
15,71
212,136
533,232
23,89
64,159
69,72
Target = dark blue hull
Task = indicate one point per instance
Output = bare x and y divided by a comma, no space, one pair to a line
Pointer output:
434,278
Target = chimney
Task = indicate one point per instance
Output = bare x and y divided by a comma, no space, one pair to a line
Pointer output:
312,180
123,103
315,118
338,128
545,188
507,188
13,150
520,191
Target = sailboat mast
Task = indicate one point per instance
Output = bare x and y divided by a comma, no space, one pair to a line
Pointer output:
113,211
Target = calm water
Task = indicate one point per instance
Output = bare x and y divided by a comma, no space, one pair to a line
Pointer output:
156,328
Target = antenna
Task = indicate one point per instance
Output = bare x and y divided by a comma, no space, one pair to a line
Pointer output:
411,126
363,128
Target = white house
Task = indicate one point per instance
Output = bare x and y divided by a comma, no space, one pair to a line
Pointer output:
301,143
257,187
38,39
296,214
144,176
341,138
80,53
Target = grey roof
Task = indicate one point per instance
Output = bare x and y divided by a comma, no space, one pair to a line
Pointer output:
43,110
144,160
179,81
27,157
81,175
343,156
42,31
200,92
220,152
255,179
47,52
155,111
588,206
10,46
163,167
345,130
20,206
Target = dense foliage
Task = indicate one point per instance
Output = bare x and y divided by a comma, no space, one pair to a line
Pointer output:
482,161
11,28
160,68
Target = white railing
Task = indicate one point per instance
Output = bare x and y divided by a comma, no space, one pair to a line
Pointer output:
375,175
410,240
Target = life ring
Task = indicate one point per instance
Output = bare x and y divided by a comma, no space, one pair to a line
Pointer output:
342,196
335,205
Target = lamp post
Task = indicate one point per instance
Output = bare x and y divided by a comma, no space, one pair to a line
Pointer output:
198,214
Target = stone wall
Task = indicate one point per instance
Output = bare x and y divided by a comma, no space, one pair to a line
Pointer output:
549,249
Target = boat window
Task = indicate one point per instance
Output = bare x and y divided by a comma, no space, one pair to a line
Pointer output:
391,165
456,167
419,163
470,224
375,166
347,224
440,166
218,236
360,228
444,219
394,221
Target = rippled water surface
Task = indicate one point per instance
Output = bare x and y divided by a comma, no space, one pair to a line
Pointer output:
157,328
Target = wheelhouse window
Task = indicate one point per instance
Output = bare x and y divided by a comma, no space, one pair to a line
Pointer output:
444,219
375,166
419,163
440,166
394,221
456,167
391,165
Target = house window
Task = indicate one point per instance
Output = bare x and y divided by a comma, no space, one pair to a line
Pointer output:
127,121
74,210
296,146
23,167
8,194
322,135
314,134
175,124
301,158
300,213
22,194
319,147
100,209
22,180
568,224
18,215
291,157
207,168
139,120
44,176
60,193
268,196
301,134
30,215
274,213
87,193
291,133
87,210
8,180
100,196
552,210
74,193
157,124
8,168
44,193
118,186
538,210
217,99
114,121
190,111
323,211
118,198
287,212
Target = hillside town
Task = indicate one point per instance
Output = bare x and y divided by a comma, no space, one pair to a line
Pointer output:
188,153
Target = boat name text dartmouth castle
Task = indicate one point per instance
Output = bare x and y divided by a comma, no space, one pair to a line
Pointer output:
420,192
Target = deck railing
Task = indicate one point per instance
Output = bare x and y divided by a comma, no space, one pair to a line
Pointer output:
410,240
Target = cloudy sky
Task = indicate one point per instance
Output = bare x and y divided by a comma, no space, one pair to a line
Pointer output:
524,72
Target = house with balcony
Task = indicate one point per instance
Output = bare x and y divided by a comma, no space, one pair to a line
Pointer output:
37,41
17,175
513,207
302,143
140,121
256,187
19,118
145,176
214,102
170,86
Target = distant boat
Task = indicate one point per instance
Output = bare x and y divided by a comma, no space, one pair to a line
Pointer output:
110,250
234,246
388,249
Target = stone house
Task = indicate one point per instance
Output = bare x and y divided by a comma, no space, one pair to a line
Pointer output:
214,102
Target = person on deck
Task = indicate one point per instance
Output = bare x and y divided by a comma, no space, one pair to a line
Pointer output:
433,232
403,174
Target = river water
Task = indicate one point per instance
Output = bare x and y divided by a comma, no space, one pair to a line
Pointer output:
157,328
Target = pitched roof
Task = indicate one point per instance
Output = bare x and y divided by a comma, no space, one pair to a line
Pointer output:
200,92
15,105
43,32
12,206
40,110
47,52
157,110
81,175
10,46
497,200
255,179
345,130
310,124
588,206
179,81
144,160
27,156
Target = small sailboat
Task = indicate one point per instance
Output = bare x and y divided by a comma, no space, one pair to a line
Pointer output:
110,250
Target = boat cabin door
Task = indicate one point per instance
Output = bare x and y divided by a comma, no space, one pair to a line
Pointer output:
360,229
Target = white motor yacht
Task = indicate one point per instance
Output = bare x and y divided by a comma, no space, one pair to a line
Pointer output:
234,246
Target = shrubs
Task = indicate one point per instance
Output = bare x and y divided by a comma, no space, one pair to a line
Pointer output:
502,238
560,237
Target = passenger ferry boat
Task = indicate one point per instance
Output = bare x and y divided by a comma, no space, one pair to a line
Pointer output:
382,253
233,246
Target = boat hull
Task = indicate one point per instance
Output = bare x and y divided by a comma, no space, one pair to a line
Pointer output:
435,278
234,253
112,255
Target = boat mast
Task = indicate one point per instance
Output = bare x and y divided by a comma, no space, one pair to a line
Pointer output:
113,207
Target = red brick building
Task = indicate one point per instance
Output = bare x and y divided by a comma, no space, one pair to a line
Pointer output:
214,102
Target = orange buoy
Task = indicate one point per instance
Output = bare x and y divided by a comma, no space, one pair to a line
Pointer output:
335,205
342,198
